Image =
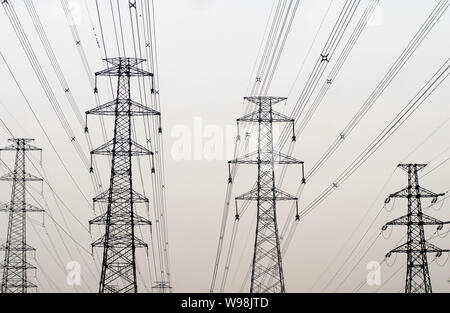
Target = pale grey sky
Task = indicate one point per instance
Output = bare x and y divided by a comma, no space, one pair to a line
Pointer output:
207,50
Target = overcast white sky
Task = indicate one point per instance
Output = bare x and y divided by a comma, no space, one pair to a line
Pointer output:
207,50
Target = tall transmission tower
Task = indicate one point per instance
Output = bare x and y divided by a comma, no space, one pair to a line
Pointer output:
119,243
267,270
15,265
416,247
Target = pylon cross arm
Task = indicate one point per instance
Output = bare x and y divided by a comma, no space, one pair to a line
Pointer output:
422,193
425,220
137,220
265,100
138,243
137,197
136,149
125,70
425,193
135,109
279,196
26,247
26,146
429,248
278,158
273,117
13,177
7,207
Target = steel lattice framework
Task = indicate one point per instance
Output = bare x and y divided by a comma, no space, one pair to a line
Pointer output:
16,266
416,247
267,270
119,242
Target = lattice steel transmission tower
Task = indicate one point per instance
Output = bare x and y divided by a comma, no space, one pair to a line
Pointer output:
267,270
120,242
416,247
15,265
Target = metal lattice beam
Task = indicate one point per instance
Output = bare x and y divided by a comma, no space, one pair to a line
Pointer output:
417,273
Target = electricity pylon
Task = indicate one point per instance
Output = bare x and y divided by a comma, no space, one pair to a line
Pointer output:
267,270
15,265
416,247
119,242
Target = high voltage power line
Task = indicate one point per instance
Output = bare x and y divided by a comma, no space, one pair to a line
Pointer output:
398,65
339,28
421,34
424,93
428,89
273,46
428,25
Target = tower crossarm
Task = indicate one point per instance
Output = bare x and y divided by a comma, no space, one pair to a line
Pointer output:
8,207
425,220
425,193
421,193
135,109
119,242
407,167
256,117
122,146
262,101
418,248
26,266
25,143
19,286
120,66
278,158
279,195
104,197
13,177
26,247
137,220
